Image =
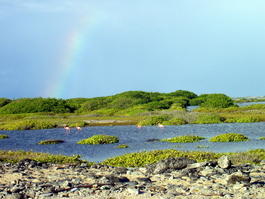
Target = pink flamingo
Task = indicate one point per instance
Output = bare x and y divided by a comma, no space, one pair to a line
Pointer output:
160,125
67,129
78,128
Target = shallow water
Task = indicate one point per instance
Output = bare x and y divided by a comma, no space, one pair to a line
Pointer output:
135,138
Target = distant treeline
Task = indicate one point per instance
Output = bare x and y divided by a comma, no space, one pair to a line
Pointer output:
126,103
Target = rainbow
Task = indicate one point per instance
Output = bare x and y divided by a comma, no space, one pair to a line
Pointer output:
71,48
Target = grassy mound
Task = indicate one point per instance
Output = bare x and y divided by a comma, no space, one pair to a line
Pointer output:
229,137
3,136
100,139
120,146
50,142
184,139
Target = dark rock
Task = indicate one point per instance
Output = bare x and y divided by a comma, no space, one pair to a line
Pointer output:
168,165
145,180
119,170
239,177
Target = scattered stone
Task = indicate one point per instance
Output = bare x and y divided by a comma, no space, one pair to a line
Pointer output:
171,178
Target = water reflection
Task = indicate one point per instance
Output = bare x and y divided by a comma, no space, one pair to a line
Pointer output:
136,138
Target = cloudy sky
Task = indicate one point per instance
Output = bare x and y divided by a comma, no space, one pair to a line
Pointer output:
87,48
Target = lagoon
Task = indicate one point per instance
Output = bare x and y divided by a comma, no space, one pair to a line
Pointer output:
136,139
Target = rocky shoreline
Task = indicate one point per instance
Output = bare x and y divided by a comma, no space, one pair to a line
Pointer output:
166,179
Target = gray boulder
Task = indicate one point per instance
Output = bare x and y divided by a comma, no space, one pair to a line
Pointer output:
224,162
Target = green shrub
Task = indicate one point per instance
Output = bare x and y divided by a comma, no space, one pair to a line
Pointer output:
184,139
217,100
229,137
4,101
175,121
208,119
35,105
50,142
153,120
3,136
262,138
122,146
100,139
28,125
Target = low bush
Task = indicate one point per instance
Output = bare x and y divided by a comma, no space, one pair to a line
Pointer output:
100,139
262,138
184,139
175,121
50,142
3,136
229,137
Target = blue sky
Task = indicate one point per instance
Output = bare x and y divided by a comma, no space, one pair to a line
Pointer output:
86,48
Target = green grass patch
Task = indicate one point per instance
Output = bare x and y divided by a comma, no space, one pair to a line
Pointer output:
122,146
175,121
16,156
100,139
3,136
50,142
229,137
184,139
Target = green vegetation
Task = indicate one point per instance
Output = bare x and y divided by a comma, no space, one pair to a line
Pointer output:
207,118
3,136
229,137
217,101
129,108
16,156
27,125
139,159
184,139
262,138
35,105
50,142
175,121
99,139
248,119
153,120
142,158
122,146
